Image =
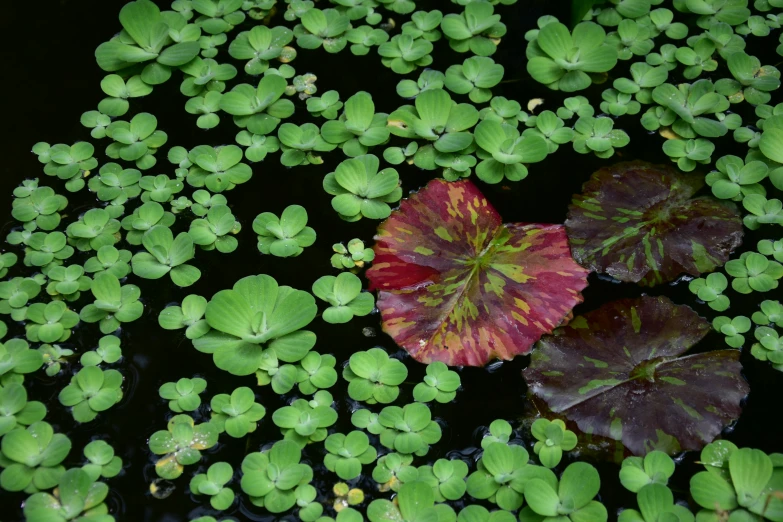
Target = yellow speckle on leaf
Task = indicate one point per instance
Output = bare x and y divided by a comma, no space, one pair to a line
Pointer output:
669,134
514,272
397,123
442,233
535,102
522,305
355,496
288,54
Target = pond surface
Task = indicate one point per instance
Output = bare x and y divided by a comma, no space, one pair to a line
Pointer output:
51,78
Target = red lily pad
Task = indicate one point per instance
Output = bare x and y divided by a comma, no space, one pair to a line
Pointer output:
617,372
457,285
639,223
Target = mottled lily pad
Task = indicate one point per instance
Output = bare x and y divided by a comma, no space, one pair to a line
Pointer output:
639,223
617,373
457,285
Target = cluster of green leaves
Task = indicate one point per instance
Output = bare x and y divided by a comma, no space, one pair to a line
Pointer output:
286,236
347,453
217,168
306,421
32,457
571,497
352,256
696,112
739,482
213,484
393,469
183,395
91,391
76,496
374,377
180,444
216,230
67,162
648,477
236,414
415,501
564,60
166,255
440,384
256,321
710,290
757,271
114,303
16,410
189,315
502,475
108,352
552,439
273,478
345,297
360,190
256,327
358,127
101,460
408,429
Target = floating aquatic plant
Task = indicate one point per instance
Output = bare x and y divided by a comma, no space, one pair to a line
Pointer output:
500,270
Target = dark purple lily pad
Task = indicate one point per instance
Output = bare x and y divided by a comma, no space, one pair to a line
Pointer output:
638,222
617,373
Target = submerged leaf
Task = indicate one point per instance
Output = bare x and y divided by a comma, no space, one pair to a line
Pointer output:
638,222
457,285
617,372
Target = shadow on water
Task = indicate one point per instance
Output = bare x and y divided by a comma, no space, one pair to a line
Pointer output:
51,78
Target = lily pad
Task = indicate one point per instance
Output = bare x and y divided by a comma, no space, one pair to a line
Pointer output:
457,285
639,223
617,372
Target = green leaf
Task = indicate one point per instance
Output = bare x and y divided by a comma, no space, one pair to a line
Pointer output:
541,497
750,471
579,8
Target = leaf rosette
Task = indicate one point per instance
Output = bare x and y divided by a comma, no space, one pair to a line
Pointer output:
258,109
561,59
271,477
145,38
257,315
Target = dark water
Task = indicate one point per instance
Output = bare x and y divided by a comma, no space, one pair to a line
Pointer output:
51,78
